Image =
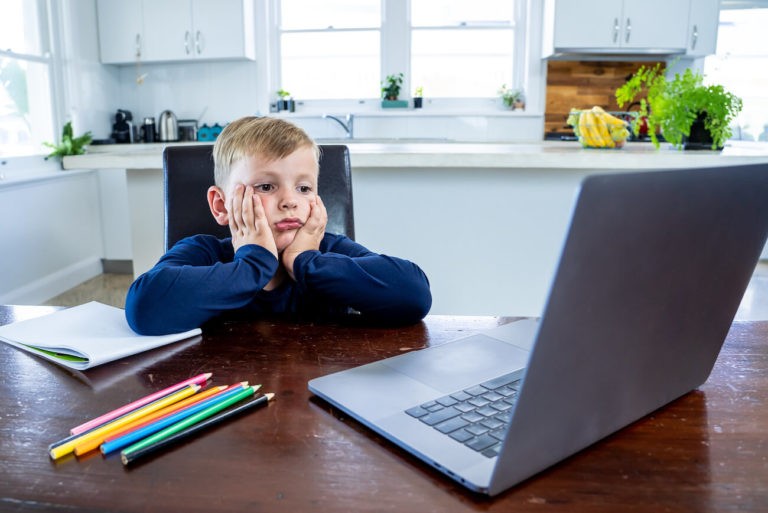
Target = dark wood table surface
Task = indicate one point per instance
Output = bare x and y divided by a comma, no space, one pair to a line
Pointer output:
705,452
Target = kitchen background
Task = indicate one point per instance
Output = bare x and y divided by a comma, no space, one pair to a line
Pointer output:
92,209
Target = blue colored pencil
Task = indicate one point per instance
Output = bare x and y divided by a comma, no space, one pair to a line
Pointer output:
143,432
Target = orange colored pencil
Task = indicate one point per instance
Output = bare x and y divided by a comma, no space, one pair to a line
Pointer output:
189,401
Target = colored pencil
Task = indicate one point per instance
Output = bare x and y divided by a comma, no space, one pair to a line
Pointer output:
58,450
114,444
146,449
168,410
141,420
109,416
175,428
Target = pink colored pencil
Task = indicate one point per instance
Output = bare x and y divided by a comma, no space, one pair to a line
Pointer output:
197,380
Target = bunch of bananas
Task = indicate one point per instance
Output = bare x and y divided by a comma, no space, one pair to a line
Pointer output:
595,128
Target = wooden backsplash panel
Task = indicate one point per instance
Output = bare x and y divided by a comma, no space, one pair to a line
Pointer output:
582,85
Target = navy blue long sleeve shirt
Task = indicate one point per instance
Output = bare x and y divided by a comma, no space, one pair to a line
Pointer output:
202,277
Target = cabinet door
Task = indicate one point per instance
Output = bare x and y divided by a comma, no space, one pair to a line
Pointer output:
655,24
168,30
587,24
703,22
220,29
120,31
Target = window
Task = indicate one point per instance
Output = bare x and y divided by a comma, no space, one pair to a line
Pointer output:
460,48
741,66
453,49
26,111
330,49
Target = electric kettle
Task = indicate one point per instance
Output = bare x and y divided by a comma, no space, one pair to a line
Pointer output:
168,126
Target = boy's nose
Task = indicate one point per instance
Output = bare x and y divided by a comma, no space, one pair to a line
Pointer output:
288,200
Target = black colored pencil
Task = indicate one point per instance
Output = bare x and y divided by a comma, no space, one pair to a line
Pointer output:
193,430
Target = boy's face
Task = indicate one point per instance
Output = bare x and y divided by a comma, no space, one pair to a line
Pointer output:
285,186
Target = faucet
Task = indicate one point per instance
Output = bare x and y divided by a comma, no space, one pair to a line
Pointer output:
348,126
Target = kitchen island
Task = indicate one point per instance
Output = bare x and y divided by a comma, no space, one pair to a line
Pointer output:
485,221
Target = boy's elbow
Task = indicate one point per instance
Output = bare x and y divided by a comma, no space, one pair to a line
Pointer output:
142,321
418,305
409,306
147,317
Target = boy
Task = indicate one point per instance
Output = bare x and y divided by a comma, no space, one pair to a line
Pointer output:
279,258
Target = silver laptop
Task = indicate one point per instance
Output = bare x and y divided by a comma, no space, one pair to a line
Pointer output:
652,272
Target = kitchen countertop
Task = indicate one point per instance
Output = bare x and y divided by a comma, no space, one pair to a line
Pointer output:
402,153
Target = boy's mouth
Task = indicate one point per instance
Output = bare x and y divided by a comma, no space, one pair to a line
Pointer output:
289,224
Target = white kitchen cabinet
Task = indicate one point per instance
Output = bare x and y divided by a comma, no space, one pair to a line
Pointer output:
703,21
611,26
179,30
120,31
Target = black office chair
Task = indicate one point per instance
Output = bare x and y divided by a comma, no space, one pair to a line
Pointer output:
188,172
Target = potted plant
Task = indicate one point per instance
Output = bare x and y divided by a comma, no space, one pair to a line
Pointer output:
689,114
285,102
418,97
69,145
511,98
390,92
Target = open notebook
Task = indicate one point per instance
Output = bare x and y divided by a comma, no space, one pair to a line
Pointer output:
84,336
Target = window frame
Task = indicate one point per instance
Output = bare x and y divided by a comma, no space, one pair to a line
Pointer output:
49,15
395,57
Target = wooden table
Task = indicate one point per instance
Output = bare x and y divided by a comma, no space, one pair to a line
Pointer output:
706,452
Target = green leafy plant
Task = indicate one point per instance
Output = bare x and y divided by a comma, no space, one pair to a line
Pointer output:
390,88
674,105
509,96
69,145
282,93
419,92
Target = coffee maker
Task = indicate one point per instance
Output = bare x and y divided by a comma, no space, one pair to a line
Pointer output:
122,128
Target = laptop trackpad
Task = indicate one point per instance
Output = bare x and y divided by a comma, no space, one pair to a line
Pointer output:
460,364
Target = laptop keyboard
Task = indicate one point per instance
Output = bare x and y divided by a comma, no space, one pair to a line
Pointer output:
477,417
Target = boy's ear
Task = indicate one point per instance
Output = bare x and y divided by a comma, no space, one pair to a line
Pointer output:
217,205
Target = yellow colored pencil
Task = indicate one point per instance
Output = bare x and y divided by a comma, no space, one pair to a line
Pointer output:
189,401
87,439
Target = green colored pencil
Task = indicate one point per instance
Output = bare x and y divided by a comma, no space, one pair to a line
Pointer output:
215,420
189,421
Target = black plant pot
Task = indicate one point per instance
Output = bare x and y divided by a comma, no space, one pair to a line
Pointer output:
417,102
286,105
700,138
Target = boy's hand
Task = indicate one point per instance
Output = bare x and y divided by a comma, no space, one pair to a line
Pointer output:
308,237
248,221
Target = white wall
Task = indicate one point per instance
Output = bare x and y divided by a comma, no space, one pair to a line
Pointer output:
488,239
51,233
90,89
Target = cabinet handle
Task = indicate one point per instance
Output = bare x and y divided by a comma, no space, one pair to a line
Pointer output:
198,42
138,45
628,31
186,42
694,37
616,30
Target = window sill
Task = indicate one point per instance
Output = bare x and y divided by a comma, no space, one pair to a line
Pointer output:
410,112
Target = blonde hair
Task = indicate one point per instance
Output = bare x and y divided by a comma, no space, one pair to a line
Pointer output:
270,138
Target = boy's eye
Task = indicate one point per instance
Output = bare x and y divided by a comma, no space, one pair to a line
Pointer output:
264,187
305,189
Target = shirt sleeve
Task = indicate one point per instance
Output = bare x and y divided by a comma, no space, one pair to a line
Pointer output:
194,282
382,288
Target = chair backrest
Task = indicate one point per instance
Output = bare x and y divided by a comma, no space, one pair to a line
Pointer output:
188,172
